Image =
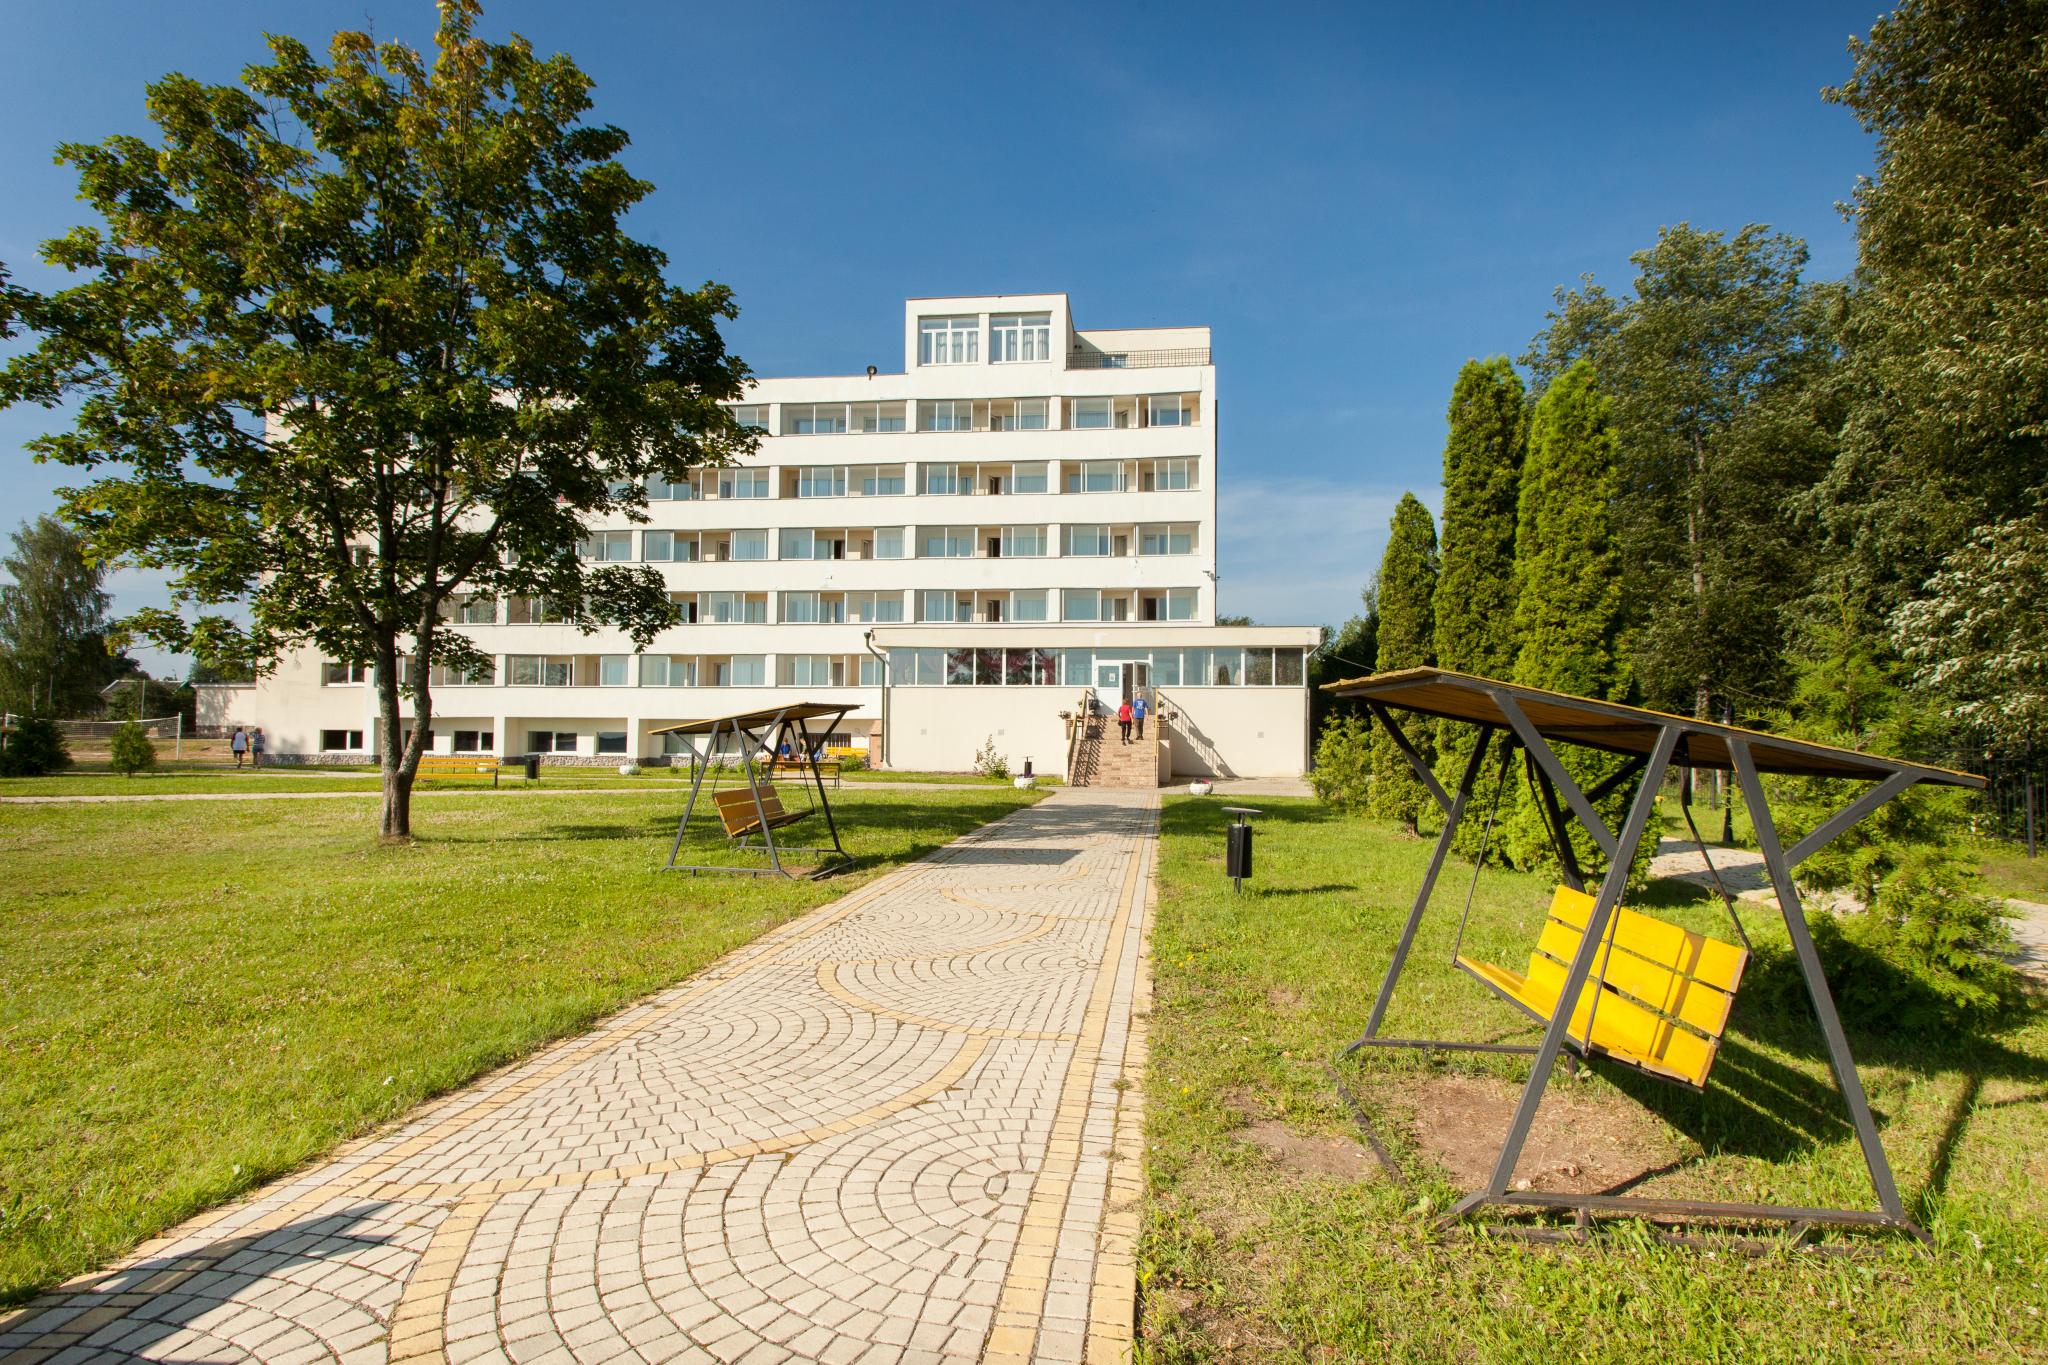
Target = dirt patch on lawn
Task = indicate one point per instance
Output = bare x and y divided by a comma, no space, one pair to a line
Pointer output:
1338,1157
1579,1144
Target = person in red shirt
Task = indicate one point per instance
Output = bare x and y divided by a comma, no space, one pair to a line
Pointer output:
1123,719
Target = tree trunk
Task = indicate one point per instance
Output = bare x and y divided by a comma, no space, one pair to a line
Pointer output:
399,750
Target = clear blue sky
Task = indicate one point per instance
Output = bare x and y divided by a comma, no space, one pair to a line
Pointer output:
1356,197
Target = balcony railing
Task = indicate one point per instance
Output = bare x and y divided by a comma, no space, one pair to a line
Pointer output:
1136,360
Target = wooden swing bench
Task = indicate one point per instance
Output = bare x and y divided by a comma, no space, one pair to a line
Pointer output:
1660,998
741,817
1641,991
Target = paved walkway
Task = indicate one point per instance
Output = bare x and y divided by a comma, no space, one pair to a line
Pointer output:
658,786
905,1128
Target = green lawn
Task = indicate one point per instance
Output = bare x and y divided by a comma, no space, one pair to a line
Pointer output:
196,998
2008,871
1249,1253
187,780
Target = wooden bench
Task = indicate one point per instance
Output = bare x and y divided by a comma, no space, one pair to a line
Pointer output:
828,768
460,765
736,811
1663,993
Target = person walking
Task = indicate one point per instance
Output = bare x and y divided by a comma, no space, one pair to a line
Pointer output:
1138,710
238,743
1123,719
256,746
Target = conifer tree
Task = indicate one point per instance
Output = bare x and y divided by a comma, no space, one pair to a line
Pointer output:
1568,586
1405,594
1475,593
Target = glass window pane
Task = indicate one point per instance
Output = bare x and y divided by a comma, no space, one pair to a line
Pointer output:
1226,667
1080,667
1287,667
959,667
1258,667
988,667
1017,667
1166,668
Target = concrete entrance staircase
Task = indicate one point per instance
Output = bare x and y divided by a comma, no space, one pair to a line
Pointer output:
1100,758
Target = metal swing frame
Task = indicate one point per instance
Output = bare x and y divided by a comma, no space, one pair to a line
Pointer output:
757,732
1652,742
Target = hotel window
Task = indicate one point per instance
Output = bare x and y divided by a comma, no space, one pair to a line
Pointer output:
477,611
474,742
1166,540
753,415
1026,542
882,482
446,675
741,670
878,417
800,607
1166,475
1021,414
813,419
551,741
659,546
1170,410
1087,541
334,674
821,481
1088,414
1258,668
1096,476
732,609
743,483
1081,604
611,741
798,544
1226,667
614,670
943,479
937,604
1028,606
1180,604
948,341
607,545
1027,478
807,670
1016,337
1166,668
889,542
947,542
535,611
870,671
749,544
341,741
874,607
539,670
947,414
661,490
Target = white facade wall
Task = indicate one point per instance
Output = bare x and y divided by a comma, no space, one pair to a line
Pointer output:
1262,731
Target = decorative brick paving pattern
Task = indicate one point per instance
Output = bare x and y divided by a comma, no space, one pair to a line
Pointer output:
905,1128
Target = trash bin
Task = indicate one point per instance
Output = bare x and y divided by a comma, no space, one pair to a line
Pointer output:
532,762
1237,846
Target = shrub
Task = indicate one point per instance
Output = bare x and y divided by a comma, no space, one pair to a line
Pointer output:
989,763
1343,770
853,763
36,747
130,750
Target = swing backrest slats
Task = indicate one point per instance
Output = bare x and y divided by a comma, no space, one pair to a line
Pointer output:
1659,995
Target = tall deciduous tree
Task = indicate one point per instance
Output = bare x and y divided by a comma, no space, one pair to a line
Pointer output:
1405,594
363,336
1947,338
1568,584
53,624
1978,634
1715,366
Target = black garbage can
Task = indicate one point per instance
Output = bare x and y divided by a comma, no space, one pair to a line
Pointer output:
532,762
1237,846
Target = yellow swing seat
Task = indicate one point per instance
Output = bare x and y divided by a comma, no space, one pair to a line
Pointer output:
1663,992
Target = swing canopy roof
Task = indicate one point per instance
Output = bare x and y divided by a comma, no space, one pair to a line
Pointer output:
767,715
1562,718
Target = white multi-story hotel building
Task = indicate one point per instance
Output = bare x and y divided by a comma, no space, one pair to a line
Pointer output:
1026,513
